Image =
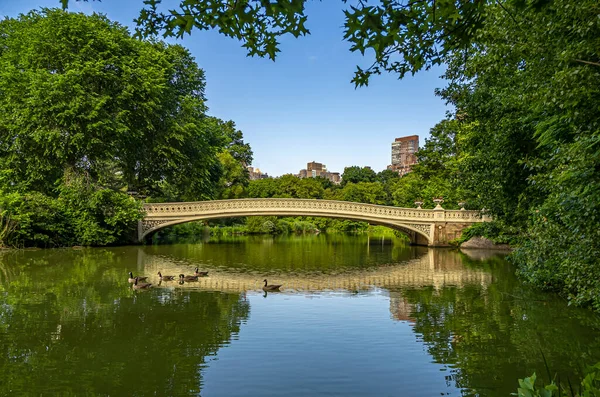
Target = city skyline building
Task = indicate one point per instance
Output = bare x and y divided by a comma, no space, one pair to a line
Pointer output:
404,156
314,170
256,173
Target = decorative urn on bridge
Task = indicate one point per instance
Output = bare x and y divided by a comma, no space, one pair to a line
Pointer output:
419,203
461,204
438,203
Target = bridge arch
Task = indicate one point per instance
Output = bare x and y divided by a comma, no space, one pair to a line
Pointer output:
420,224
408,229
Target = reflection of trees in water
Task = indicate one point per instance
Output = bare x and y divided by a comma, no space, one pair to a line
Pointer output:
492,335
75,326
323,252
6,258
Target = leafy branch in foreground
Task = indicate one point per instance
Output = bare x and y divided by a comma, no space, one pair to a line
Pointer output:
256,23
589,387
403,36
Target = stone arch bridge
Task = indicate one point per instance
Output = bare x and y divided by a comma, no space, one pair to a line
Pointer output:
434,228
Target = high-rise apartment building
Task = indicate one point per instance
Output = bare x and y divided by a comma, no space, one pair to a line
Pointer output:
404,156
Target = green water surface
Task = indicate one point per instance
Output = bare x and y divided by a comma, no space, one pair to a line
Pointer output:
356,316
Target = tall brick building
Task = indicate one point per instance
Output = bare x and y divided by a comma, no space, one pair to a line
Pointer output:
404,156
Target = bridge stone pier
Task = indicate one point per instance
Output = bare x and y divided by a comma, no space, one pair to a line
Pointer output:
433,228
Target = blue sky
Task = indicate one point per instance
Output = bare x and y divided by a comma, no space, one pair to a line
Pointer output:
302,107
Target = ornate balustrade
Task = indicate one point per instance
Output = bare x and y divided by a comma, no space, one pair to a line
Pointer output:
421,221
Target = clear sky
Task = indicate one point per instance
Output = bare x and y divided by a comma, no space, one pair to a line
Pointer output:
302,107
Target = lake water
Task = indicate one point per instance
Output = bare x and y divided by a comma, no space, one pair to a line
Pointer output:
356,316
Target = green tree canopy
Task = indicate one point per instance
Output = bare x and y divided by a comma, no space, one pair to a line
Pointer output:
357,174
527,88
87,113
234,160
79,93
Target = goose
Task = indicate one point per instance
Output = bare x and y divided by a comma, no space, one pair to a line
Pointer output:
165,278
187,278
272,287
200,274
137,285
132,279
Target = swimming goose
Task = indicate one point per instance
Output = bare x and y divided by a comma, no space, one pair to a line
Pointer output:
165,278
137,285
200,274
132,279
187,278
272,287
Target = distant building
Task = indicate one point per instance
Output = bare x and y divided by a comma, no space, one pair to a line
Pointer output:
255,173
316,167
314,170
404,156
335,177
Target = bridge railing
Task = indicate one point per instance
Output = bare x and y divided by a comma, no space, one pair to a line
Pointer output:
308,206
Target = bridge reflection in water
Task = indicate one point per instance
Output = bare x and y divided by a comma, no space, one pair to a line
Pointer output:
437,268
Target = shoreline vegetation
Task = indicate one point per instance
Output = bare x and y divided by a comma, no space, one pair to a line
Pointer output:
260,225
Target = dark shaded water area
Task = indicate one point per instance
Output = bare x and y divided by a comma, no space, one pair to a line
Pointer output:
356,316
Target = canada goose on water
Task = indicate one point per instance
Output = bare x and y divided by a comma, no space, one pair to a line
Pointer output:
132,279
165,278
200,274
272,287
137,285
187,278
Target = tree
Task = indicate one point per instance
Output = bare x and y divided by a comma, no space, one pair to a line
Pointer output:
408,190
262,188
364,192
95,101
388,179
386,176
86,113
234,159
528,86
357,174
235,145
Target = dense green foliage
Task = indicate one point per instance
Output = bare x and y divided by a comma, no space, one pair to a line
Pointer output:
81,214
527,90
88,113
